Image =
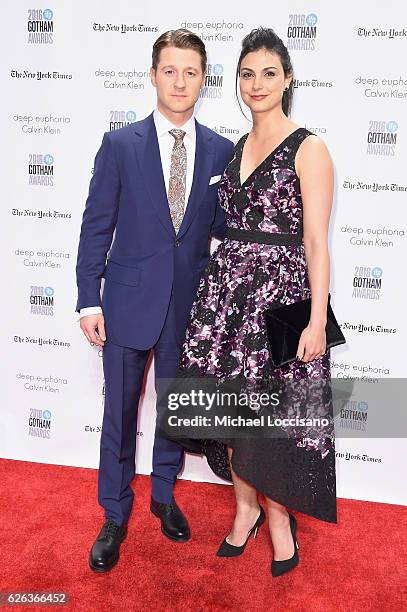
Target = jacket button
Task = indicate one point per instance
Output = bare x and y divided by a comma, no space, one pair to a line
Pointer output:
177,243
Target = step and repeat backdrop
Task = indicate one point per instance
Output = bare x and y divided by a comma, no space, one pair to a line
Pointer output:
74,70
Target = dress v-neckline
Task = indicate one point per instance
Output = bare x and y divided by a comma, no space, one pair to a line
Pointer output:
241,184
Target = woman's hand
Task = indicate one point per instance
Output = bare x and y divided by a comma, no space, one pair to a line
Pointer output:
312,343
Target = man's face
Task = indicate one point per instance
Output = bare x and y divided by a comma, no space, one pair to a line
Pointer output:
177,79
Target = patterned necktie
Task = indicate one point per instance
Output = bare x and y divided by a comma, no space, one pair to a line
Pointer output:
178,176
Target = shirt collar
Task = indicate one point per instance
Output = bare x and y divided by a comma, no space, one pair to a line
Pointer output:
163,126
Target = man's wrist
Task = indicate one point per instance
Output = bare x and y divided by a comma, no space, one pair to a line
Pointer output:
90,310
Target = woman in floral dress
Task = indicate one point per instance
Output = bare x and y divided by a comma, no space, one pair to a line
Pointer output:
277,195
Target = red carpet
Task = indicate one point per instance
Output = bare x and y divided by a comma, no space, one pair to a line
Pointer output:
50,517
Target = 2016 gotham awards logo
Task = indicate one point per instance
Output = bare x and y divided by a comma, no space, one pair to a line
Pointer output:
42,301
382,138
213,82
39,423
120,118
367,283
354,415
41,169
40,26
302,32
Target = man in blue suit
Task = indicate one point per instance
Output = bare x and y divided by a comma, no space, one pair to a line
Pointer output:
154,188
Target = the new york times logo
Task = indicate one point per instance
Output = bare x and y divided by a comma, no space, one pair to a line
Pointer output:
358,457
302,32
353,415
362,328
367,283
40,214
40,341
123,28
382,138
39,423
42,301
39,75
213,82
40,169
381,33
120,118
40,26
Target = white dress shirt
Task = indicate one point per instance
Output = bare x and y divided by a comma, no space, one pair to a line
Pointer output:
166,144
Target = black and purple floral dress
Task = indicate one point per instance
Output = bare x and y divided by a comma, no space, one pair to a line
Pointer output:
226,335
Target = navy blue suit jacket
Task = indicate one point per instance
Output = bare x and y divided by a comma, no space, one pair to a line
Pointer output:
127,198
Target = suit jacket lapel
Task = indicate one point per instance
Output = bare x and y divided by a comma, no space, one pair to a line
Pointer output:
202,172
148,154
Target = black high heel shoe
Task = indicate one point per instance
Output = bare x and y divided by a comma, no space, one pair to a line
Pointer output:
228,550
281,567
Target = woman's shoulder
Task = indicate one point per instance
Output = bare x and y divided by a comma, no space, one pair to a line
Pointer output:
312,151
311,142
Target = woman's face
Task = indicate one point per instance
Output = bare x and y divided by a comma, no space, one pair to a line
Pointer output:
262,80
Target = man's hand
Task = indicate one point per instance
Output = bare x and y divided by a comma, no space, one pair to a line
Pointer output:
93,326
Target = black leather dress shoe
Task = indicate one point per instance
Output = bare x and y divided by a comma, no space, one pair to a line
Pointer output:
174,525
104,553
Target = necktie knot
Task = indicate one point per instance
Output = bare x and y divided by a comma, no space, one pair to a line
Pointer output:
178,135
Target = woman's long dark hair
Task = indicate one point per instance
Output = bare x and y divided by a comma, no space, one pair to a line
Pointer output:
266,38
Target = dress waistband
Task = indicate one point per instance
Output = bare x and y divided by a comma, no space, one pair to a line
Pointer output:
263,237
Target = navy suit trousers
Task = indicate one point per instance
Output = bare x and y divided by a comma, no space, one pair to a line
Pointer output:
124,370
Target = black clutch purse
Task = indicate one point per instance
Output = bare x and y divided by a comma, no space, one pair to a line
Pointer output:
285,325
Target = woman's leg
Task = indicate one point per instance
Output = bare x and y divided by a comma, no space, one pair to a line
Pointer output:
279,525
247,509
